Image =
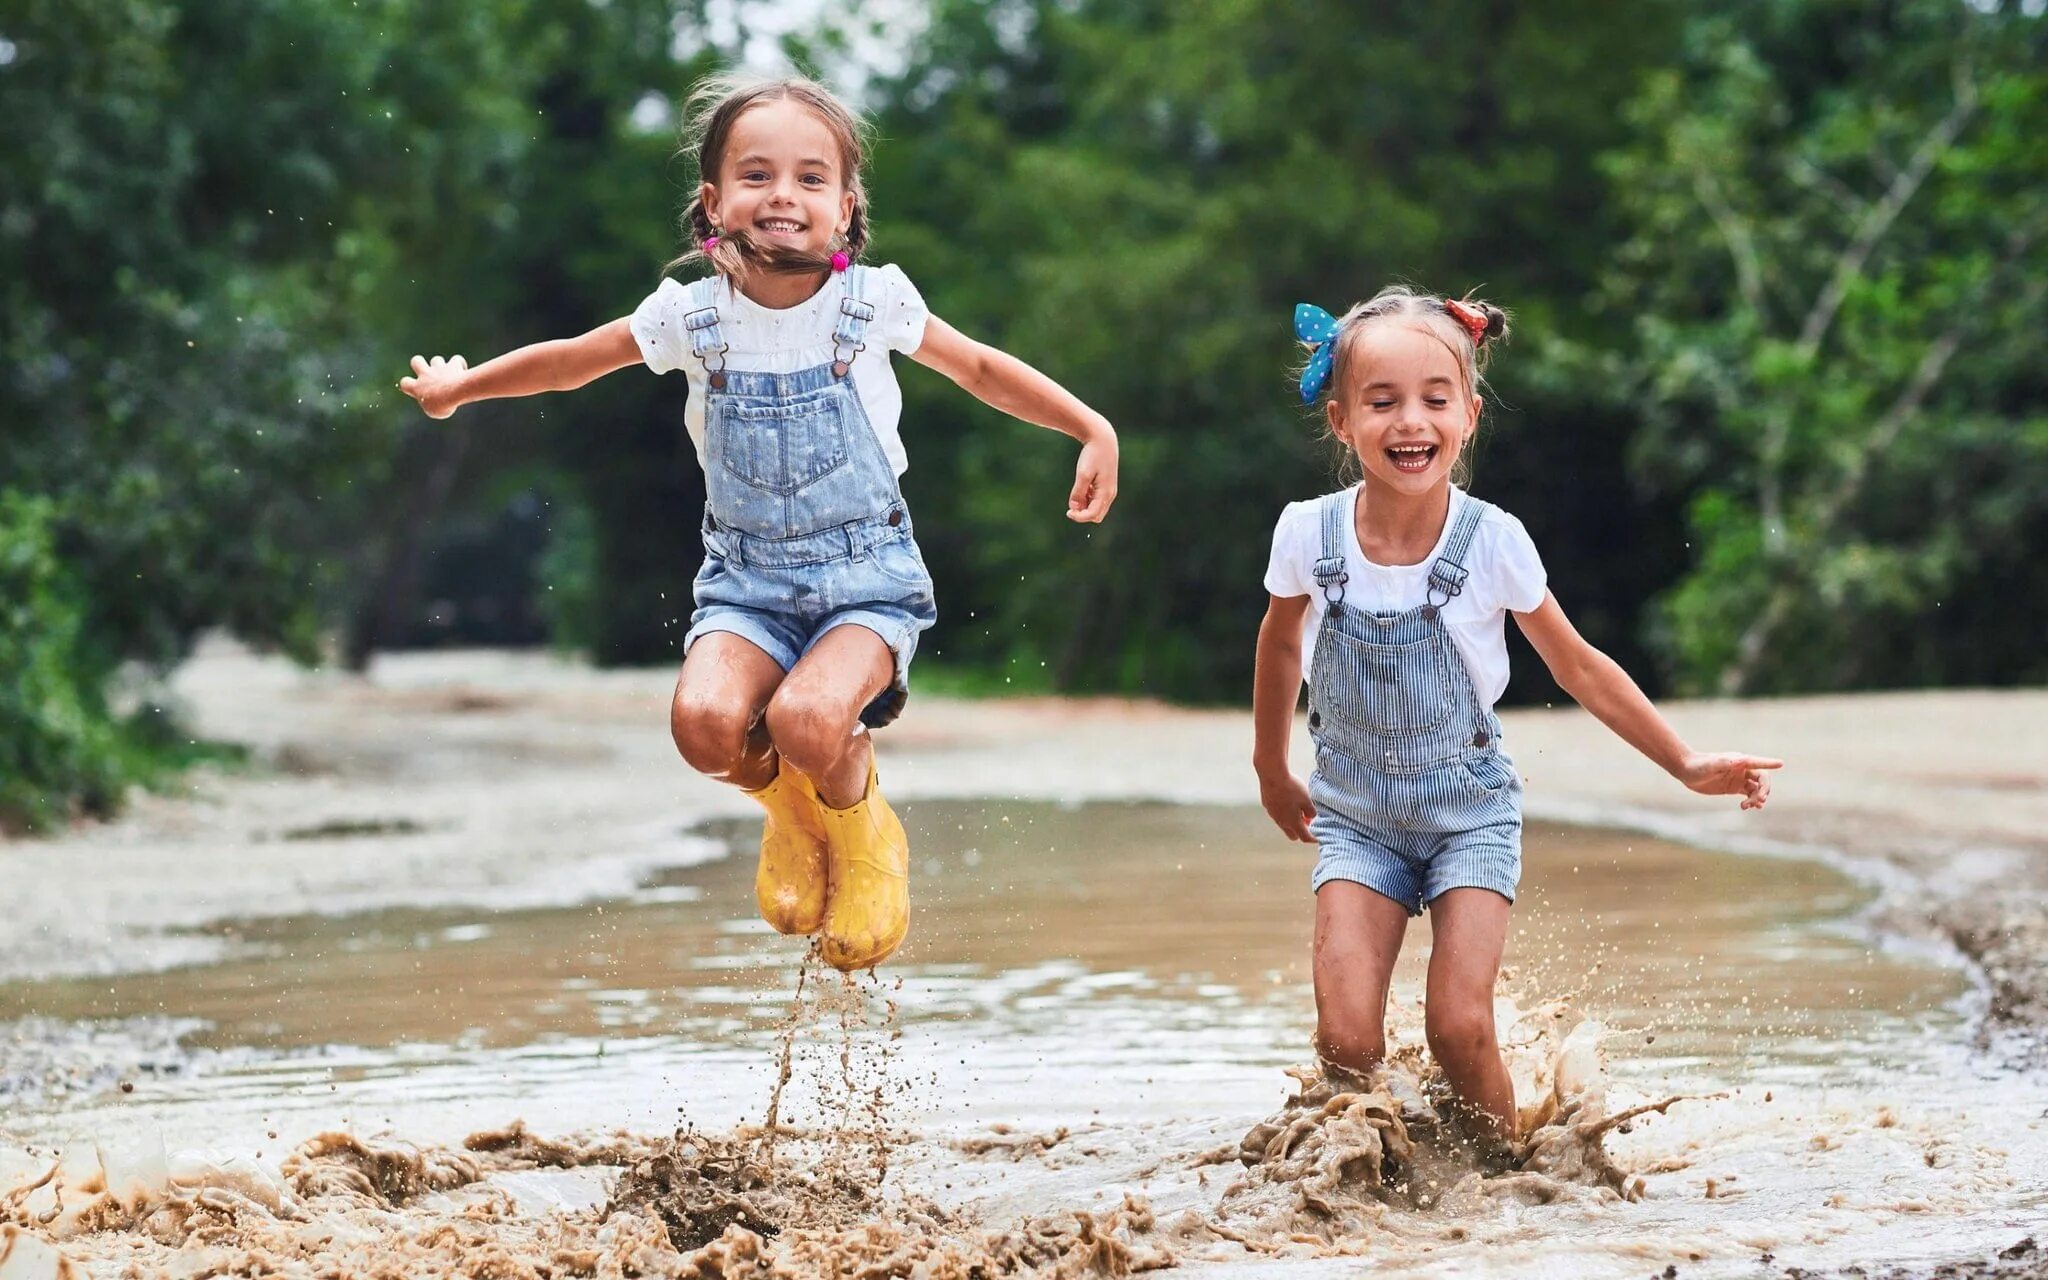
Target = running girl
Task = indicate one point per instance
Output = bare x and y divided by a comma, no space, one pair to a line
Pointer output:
1398,588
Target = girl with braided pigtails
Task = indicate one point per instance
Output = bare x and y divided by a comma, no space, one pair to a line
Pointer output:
1398,589
812,592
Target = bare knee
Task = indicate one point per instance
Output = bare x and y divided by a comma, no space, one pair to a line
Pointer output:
710,731
812,733
1460,1032
1356,1045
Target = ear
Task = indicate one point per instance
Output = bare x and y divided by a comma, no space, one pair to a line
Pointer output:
707,195
1472,420
1333,409
845,211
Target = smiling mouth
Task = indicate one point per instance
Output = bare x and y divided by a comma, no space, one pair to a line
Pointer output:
780,227
1411,457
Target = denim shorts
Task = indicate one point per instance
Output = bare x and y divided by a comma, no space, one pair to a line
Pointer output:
1412,836
783,609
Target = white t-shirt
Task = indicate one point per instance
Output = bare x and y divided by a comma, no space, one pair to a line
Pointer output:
1506,573
765,340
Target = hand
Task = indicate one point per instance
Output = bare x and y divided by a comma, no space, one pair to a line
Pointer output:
1729,774
1094,482
438,384
1288,805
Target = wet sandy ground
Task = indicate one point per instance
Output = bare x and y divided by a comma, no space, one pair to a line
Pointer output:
370,931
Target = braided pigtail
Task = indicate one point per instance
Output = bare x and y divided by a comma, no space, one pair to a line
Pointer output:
857,226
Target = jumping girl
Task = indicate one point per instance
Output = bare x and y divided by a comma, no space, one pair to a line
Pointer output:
1398,587
812,592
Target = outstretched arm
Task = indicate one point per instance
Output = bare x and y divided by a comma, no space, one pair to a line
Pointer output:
1603,688
1002,381
1276,687
443,385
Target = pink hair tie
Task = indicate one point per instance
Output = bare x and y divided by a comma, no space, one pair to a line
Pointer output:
710,243
840,261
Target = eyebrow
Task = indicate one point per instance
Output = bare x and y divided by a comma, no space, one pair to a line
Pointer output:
1427,382
810,162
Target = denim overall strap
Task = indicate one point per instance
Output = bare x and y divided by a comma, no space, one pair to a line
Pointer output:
707,343
1329,568
1447,576
849,336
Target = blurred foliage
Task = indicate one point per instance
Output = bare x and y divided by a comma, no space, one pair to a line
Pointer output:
1837,268
225,226
60,750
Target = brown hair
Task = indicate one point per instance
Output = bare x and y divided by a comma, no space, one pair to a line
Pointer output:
713,107
1433,315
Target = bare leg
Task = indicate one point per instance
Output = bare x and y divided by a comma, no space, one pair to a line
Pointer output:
1469,929
815,713
1358,938
716,717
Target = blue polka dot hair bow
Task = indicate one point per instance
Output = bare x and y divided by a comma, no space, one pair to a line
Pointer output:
1318,328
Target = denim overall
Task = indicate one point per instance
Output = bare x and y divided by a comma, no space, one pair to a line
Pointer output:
805,528
1413,793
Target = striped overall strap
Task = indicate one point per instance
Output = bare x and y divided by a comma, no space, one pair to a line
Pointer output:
1336,522
1448,574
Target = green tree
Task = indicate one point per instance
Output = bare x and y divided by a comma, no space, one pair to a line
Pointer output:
207,214
1836,273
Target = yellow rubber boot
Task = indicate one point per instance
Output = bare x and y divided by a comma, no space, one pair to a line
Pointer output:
869,858
791,883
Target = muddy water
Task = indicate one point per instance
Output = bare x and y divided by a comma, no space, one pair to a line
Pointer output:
1094,1000
1024,909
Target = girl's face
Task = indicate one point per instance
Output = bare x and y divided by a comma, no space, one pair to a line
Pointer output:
782,179
1406,411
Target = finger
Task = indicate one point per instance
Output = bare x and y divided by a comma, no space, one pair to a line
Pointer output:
410,386
1759,762
1098,506
457,362
419,364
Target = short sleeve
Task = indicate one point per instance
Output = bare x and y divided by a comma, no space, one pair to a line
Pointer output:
657,326
1523,580
1290,571
900,313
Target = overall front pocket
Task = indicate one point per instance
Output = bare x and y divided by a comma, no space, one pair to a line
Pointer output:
1388,688
778,448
